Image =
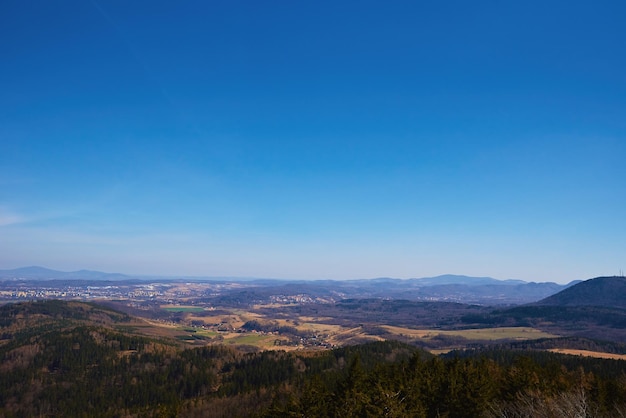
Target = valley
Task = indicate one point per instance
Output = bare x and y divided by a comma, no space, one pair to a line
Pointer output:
75,358
265,314
223,349
272,330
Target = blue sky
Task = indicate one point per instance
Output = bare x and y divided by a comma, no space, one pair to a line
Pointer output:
314,139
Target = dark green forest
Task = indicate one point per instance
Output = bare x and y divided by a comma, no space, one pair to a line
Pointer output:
76,363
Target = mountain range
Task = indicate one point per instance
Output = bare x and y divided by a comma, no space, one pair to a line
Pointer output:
42,273
452,288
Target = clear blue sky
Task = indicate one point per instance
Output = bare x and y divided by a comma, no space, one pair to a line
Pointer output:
316,139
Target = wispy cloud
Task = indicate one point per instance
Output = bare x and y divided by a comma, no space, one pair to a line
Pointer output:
8,217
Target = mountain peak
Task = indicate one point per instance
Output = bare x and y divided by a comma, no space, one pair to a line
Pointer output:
601,291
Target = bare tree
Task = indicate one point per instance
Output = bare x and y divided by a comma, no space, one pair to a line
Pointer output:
573,404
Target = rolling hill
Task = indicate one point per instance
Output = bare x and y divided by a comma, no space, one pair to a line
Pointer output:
607,292
595,308
61,358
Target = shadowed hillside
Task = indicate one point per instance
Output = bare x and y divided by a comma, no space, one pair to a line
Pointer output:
608,292
595,308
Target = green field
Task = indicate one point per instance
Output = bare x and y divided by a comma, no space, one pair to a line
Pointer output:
252,339
209,333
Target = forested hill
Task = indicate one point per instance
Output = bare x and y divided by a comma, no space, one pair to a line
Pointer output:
608,292
81,362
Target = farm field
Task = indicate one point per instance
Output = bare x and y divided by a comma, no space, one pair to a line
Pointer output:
265,342
352,336
484,334
587,353
199,326
306,324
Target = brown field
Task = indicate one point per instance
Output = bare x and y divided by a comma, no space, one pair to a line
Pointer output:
586,353
209,320
154,329
314,319
235,318
351,336
489,334
225,327
171,331
409,332
306,324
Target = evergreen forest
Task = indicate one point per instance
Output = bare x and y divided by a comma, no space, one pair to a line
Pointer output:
81,362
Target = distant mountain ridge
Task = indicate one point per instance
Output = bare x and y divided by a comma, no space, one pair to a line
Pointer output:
449,287
37,272
609,292
42,273
466,280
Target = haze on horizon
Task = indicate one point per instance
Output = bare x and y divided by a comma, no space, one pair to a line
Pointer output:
314,140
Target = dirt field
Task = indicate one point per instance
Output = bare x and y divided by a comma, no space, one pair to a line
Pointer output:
586,353
488,334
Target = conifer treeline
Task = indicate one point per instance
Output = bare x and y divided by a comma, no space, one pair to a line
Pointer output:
492,384
79,368
91,371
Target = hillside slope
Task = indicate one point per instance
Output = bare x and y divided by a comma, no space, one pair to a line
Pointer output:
608,292
76,359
